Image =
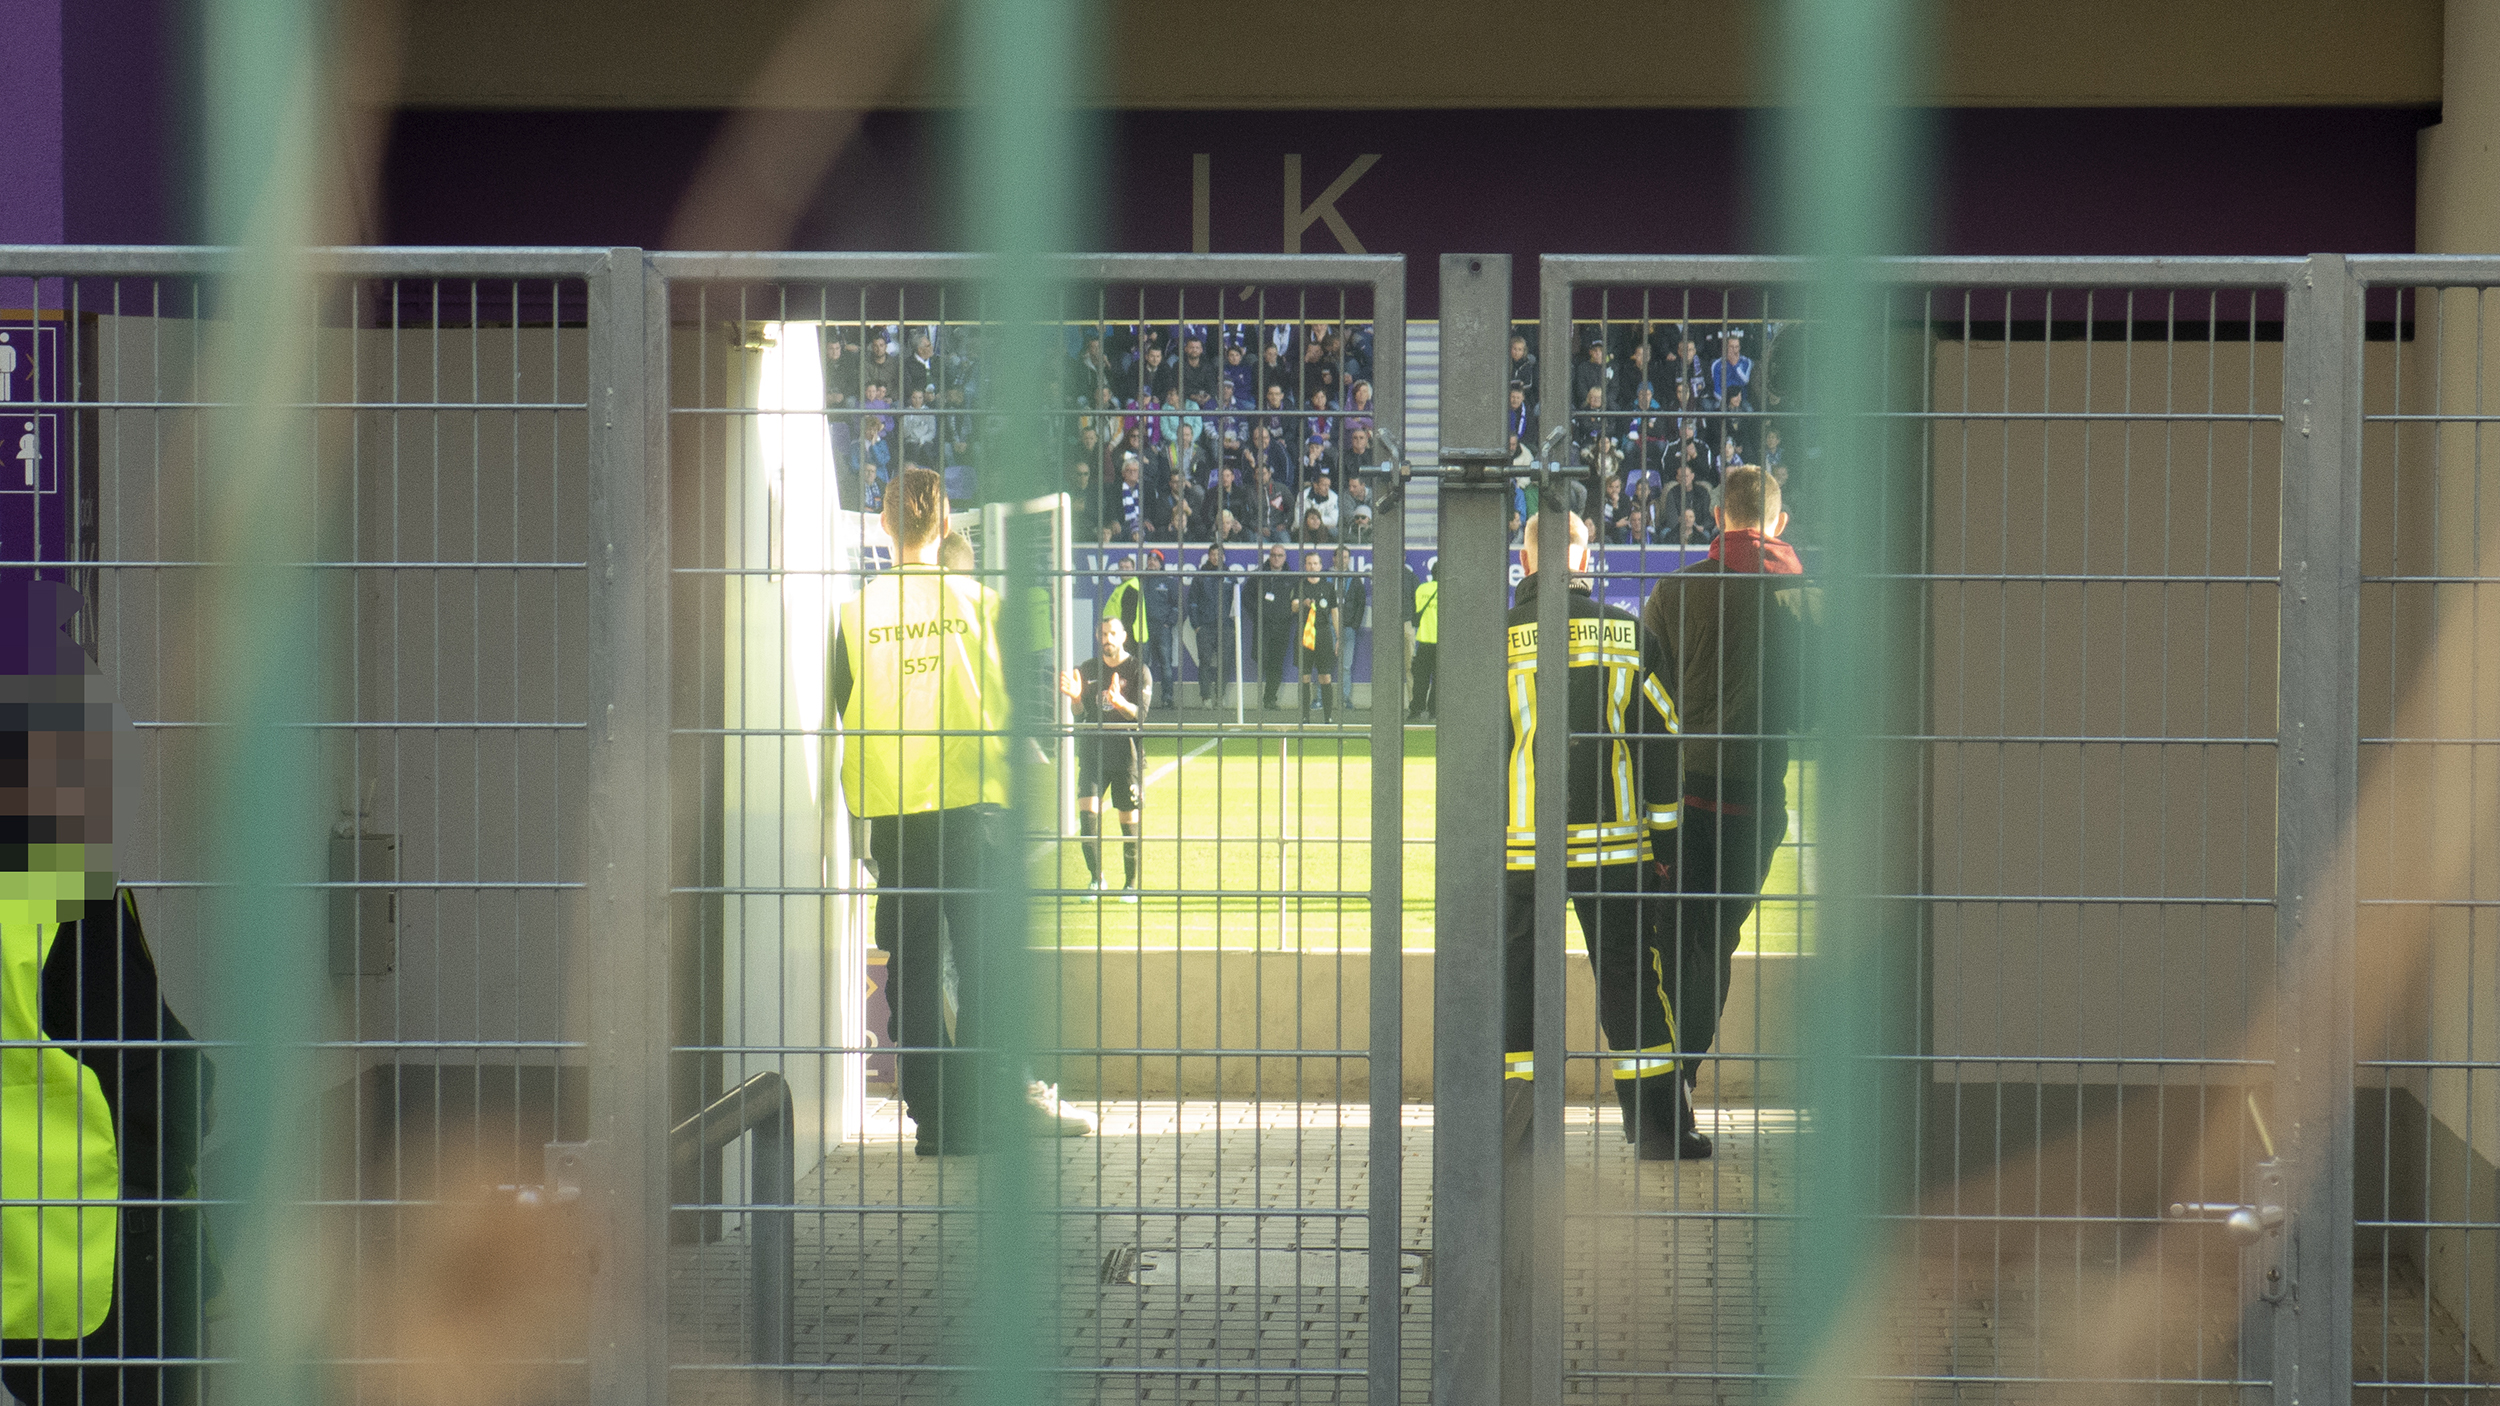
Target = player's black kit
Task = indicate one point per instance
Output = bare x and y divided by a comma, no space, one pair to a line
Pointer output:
1106,756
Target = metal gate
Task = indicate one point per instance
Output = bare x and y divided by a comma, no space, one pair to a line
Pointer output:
2103,520
1217,996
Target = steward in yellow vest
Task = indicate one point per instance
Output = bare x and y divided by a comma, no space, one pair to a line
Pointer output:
1127,604
96,1111
922,703
1427,646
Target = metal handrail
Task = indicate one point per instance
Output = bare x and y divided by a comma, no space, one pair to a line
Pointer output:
760,1105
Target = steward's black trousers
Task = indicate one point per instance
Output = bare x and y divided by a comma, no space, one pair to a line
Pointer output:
1632,966
942,863
1427,663
1215,661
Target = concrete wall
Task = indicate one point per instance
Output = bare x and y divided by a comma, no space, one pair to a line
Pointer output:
1259,1008
2017,823
410,646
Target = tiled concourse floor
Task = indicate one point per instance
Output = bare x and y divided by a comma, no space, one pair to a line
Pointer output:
1677,1279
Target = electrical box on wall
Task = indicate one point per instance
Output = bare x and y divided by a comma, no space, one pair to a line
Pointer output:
364,920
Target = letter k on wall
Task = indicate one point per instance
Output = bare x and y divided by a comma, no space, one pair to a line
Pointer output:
1299,217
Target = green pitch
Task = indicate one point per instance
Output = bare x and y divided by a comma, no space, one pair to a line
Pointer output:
1253,842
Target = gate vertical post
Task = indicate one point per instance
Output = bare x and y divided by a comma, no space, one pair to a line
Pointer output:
1544,1217
1386,1081
1470,1297
1540,1222
2317,782
618,935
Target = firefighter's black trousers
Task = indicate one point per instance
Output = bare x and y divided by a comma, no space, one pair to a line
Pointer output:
1621,907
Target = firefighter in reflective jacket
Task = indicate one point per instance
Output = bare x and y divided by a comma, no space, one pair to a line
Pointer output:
922,701
1621,816
111,1114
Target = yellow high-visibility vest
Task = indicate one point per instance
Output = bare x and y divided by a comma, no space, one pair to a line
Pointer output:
925,726
1428,613
1133,592
56,1144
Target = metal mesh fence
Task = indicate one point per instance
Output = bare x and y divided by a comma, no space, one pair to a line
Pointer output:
2427,1231
601,1013
443,447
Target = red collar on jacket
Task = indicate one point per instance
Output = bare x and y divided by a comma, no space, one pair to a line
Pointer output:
1746,549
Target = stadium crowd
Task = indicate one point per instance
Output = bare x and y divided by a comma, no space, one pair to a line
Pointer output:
1249,434
1251,448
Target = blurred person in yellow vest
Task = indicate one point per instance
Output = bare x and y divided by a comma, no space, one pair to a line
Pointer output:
1427,627
1127,604
102,1090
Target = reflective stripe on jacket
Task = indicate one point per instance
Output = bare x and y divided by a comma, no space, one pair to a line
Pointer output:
1622,771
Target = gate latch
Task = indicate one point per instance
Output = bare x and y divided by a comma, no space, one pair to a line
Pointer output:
2259,1226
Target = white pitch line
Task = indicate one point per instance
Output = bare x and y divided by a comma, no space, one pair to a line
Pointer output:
1174,765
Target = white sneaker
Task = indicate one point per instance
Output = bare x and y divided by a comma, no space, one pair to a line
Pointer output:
1129,894
1056,1118
1100,886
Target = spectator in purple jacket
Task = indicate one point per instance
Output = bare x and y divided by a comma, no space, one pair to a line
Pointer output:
1321,427
1225,419
1692,370
875,400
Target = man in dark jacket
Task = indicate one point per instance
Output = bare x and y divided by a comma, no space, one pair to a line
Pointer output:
1354,598
1621,780
1592,373
1164,589
1732,631
1272,607
1197,373
1214,615
1522,368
